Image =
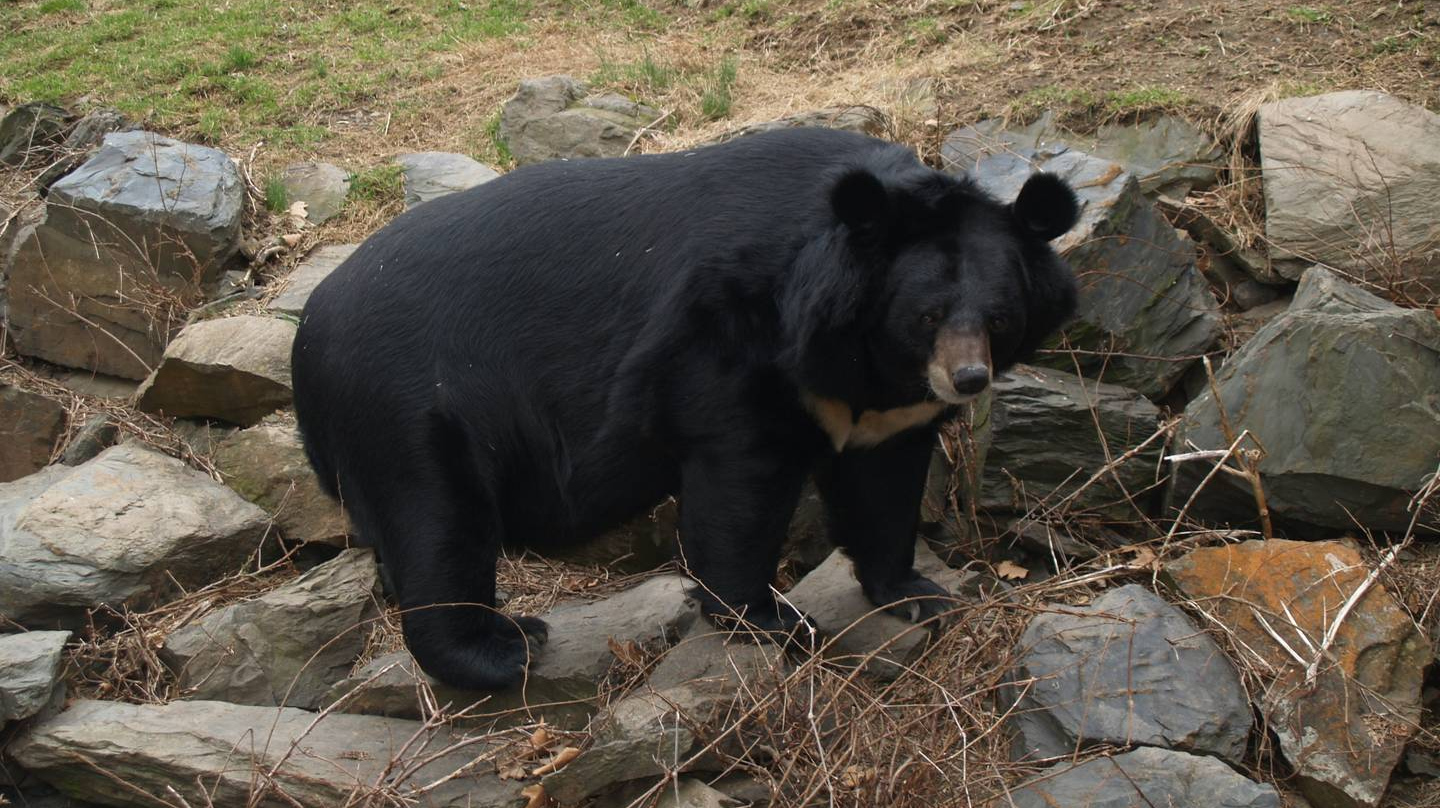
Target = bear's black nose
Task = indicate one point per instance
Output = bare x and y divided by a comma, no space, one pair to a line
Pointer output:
971,379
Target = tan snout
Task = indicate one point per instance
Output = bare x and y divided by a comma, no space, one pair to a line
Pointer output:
960,367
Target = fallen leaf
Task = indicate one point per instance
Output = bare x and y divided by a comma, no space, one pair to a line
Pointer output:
539,739
536,796
558,762
513,772
628,652
854,776
1011,571
1144,559
291,239
298,210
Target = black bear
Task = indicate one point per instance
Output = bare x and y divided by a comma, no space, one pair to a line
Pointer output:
539,358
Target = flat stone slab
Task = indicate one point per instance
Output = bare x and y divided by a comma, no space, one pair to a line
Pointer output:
120,530
30,673
1140,779
234,369
287,646
321,186
232,756
1344,732
301,282
854,629
429,175
1128,669
564,678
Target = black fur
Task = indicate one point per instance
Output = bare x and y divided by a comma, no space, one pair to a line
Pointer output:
539,358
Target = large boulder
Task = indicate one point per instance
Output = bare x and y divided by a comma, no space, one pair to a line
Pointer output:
232,756
123,529
29,132
267,465
429,175
556,117
1168,155
1341,390
1144,778
1127,669
130,241
30,426
1146,312
234,369
1045,444
565,677
301,282
30,673
285,647
1343,728
1352,180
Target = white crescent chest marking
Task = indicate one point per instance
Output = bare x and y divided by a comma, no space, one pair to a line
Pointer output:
873,427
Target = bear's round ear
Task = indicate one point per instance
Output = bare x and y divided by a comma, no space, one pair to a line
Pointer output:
861,203
1046,207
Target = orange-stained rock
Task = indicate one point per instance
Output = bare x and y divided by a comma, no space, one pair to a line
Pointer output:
1346,733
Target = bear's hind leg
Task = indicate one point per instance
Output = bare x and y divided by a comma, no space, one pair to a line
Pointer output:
441,547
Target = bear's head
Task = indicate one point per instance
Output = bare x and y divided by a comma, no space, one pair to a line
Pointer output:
936,285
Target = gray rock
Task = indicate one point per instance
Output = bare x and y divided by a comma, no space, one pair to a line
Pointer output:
1128,669
1229,249
555,117
855,118
87,133
1341,390
30,426
123,529
564,678
267,465
98,433
30,673
1044,445
1352,180
232,756
1168,155
858,633
664,725
30,132
302,281
235,369
1143,304
1144,778
286,647
130,240
433,174
321,186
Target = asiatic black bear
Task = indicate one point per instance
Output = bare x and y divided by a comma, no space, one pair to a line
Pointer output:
539,358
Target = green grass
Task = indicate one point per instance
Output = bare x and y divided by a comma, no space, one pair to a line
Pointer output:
277,197
493,141
244,69
378,184
1143,99
1309,15
643,78
716,99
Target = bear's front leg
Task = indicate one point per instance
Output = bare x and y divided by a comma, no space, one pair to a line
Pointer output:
872,499
735,509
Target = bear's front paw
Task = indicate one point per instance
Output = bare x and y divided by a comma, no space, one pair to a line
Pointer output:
535,630
917,599
780,624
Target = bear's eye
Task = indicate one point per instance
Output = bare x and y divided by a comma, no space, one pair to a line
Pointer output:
999,323
930,318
